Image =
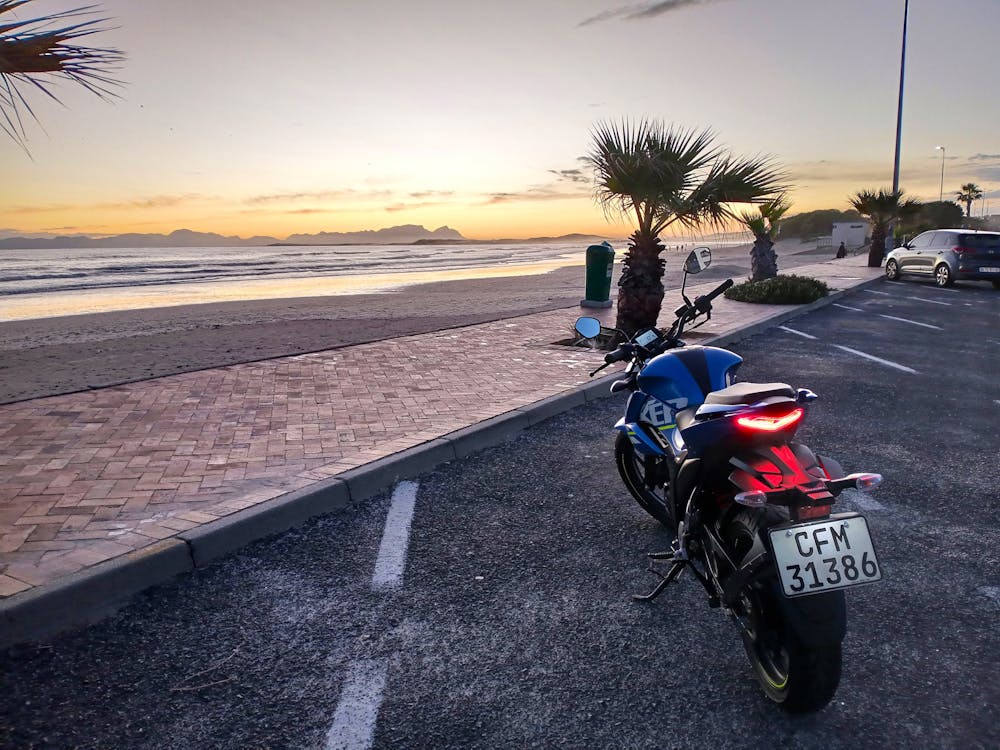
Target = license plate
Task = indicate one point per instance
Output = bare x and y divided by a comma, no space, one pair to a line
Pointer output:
824,555
989,269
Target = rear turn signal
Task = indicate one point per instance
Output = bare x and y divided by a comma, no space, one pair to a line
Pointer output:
866,482
771,424
752,499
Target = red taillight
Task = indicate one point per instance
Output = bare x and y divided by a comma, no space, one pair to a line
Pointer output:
804,512
962,250
771,423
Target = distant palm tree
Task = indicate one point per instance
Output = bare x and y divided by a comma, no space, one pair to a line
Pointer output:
881,208
658,175
969,193
33,51
764,225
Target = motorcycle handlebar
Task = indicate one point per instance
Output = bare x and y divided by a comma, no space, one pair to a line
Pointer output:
618,355
704,303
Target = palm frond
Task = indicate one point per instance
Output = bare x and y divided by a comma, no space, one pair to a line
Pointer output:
36,51
882,206
729,180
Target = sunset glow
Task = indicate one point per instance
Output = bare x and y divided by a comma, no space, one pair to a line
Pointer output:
260,118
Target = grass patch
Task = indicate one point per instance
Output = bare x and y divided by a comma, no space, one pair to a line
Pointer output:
781,290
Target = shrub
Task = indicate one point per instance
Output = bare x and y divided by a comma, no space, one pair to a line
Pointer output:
780,290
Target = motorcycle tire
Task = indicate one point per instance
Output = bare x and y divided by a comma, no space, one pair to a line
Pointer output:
632,470
798,677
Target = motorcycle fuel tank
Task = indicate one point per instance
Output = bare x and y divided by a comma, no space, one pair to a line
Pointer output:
683,377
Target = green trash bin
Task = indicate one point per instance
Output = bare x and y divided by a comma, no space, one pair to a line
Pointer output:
600,263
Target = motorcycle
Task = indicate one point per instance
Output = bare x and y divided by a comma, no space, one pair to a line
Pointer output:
716,461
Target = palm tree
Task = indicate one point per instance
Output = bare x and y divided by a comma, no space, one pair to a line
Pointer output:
764,225
35,51
968,193
881,208
658,175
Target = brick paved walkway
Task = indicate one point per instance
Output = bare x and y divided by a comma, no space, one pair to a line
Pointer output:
91,476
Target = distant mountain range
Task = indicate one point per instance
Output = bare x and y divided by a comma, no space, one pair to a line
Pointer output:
407,234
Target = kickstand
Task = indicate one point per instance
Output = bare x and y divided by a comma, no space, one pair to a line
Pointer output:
666,580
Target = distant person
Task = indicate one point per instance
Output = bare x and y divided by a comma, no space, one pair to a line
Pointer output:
841,251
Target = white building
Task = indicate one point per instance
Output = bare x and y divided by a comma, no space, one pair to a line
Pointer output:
852,233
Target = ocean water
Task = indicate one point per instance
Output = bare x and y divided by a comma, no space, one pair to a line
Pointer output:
49,271
47,283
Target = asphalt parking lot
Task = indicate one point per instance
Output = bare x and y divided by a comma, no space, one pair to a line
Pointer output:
509,622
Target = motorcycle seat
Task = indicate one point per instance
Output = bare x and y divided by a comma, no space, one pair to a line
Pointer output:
749,393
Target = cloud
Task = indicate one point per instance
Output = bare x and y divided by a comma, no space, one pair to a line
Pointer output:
570,175
153,201
410,206
322,195
636,11
985,157
531,194
825,170
156,201
432,194
51,207
989,173
291,197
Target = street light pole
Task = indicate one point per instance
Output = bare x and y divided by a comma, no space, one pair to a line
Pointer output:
899,110
941,194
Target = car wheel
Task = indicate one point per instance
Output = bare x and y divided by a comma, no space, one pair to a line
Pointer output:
942,275
892,270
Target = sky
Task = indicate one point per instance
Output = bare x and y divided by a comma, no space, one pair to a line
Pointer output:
248,117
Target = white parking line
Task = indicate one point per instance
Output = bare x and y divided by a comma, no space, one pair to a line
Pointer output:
912,322
993,592
797,333
392,551
872,291
353,725
847,307
932,301
862,500
873,358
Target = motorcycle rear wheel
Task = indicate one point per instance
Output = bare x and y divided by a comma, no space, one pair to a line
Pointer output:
798,677
632,469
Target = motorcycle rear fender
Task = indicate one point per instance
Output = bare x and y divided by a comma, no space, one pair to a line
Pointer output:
817,620
790,473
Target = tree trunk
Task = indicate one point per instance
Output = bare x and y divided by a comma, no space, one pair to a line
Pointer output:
877,250
640,288
763,259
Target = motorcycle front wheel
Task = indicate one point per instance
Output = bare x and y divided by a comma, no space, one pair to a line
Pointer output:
633,469
798,677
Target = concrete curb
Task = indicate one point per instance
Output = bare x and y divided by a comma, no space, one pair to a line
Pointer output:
91,594
369,479
219,538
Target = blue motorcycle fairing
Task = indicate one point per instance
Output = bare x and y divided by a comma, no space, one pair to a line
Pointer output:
684,377
645,414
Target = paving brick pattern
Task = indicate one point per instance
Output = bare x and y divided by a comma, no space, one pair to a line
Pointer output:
91,476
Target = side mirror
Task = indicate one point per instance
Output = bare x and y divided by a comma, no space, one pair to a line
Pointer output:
589,328
698,260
